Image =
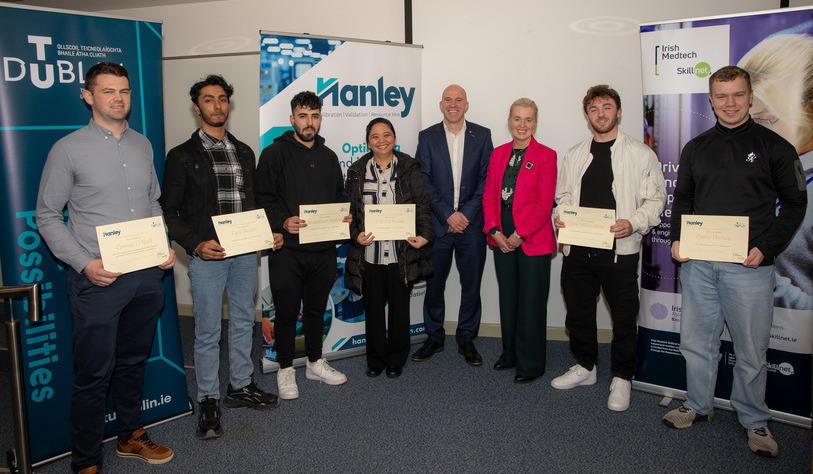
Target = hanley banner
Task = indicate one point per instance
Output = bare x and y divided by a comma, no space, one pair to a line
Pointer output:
776,48
357,81
45,55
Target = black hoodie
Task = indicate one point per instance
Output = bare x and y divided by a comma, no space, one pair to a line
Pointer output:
290,174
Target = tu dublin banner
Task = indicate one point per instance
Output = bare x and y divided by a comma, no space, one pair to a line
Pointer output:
357,81
776,48
45,55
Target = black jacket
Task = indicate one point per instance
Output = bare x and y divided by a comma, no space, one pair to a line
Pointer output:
742,171
189,192
413,264
290,174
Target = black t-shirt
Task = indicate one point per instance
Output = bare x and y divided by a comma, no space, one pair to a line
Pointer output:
597,182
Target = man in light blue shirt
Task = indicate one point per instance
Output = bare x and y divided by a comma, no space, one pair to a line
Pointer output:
104,174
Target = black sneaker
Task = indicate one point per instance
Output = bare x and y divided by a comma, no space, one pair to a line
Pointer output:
209,419
250,396
427,350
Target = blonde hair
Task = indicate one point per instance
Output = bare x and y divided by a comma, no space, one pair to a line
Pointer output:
524,102
781,69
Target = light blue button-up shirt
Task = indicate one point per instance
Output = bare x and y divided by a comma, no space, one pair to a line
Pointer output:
102,181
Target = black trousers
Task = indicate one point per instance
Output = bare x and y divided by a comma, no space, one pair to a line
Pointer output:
300,279
384,291
524,283
585,272
113,331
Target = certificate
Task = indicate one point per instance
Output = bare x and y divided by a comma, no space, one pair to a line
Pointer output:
324,222
133,245
587,226
714,238
390,221
243,232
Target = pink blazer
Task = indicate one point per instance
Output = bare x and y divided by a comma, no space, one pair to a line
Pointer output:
533,196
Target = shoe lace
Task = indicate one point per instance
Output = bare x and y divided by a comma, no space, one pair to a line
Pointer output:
761,432
287,377
683,409
323,366
145,441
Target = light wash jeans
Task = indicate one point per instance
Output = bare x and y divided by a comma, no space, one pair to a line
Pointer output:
717,293
209,278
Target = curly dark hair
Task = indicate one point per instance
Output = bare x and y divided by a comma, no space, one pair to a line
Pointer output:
601,90
306,100
211,80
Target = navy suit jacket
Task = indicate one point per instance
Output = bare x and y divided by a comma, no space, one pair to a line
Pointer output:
436,165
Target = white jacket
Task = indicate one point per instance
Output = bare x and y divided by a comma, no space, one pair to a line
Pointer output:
638,186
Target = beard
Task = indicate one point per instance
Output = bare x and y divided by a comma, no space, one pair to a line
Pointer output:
303,133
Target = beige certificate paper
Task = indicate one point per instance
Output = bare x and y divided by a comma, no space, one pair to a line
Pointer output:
714,238
324,222
587,226
133,245
243,232
390,221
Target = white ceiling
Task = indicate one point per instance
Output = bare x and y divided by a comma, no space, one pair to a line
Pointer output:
99,5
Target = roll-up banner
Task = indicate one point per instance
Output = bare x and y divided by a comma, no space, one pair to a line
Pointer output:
677,58
357,81
45,55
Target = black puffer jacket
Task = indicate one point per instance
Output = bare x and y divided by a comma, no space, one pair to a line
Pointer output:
413,264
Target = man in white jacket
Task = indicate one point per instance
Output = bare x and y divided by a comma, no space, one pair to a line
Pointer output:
611,171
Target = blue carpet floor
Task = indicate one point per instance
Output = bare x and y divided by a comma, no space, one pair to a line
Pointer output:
445,416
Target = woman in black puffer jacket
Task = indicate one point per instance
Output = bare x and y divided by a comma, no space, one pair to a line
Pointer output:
383,272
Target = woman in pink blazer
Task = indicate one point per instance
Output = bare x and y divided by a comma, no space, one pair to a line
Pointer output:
517,205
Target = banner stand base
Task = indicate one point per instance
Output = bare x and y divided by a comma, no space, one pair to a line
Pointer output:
722,403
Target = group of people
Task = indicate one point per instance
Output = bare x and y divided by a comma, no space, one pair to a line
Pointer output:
468,196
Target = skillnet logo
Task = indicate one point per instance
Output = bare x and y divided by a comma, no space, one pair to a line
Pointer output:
672,52
332,92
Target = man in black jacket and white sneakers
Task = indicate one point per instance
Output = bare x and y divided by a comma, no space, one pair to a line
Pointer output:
736,168
211,174
299,169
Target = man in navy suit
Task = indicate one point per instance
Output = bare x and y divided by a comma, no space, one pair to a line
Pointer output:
454,158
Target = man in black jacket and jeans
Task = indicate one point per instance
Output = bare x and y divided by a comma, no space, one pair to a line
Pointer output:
299,169
736,168
212,174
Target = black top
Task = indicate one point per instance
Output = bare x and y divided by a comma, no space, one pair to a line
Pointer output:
597,181
290,174
742,171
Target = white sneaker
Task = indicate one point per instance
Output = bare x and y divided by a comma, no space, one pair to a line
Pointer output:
619,394
577,375
321,371
286,383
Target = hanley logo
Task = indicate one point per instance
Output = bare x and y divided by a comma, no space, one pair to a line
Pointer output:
365,95
111,233
697,223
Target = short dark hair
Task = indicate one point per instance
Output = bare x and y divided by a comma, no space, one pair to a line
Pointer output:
211,80
601,90
104,68
728,74
376,121
306,100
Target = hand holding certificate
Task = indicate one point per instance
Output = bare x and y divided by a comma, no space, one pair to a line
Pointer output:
133,245
324,222
243,232
390,221
587,227
714,238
